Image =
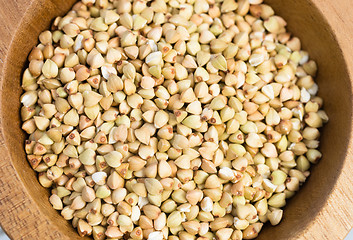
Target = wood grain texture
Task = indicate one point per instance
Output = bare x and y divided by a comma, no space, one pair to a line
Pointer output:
25,212
321,210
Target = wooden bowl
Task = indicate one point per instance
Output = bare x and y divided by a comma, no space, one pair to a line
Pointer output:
321,210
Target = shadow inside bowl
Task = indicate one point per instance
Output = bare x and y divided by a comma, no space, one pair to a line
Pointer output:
307,23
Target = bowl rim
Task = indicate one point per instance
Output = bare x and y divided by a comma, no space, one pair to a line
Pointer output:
13,192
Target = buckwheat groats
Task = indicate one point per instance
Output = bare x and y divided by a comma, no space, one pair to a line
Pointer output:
171,119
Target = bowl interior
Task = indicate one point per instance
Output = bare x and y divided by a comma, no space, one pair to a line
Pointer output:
304,21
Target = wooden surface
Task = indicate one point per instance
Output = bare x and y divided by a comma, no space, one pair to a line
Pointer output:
321,210
25,212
